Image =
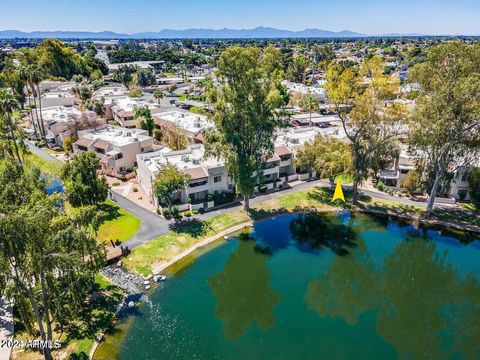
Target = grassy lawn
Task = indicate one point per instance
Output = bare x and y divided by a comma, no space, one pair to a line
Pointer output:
392,207
78,338
470,206
117,223
182,237
49,167
53,151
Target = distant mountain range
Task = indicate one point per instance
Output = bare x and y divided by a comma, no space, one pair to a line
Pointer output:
258,32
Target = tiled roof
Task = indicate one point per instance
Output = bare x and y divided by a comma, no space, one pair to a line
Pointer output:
282,150
83,142
101,144
196,173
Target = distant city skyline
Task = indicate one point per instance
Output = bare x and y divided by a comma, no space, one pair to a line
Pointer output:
371,17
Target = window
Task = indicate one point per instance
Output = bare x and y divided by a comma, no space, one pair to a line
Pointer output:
119,156
217,179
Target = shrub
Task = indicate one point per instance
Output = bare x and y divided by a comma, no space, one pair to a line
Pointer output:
187,214
175,211
135,93
195,212
263,188
135,189
210,197
380,186
165,211
225,197
116,184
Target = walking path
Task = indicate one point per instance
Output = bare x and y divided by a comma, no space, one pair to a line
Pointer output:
6,327
37,151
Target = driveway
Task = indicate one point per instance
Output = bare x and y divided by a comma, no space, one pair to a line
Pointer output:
152,224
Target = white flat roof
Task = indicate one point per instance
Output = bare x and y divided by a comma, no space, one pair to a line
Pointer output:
129,104
187,121
115,135
190,158
296,136
110,91
59,113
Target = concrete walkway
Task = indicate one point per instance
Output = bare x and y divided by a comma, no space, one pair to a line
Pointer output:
6,326
37,151
153,225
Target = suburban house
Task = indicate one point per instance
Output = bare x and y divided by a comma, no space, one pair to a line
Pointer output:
57,121
317,91
116,147
287,143
191,124
208,175
395,176
123,110
109,94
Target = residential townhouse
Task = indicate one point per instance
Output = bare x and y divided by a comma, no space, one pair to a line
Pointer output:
57,121
191,124
208,175
123,110
117,147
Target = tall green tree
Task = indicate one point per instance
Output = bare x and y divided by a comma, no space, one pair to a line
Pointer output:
145,118
83,186
158,94
473,178
169,181
247,111
9,131
364,100
124,75
50,258
327,156
145,77
446,122
310,103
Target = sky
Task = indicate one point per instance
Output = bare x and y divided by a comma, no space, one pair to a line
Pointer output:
372,17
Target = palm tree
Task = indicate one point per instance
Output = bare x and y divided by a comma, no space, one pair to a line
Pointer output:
158,94
310,103
8,104
36,78
31,77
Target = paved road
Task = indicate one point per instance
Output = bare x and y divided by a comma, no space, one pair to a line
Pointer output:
152,224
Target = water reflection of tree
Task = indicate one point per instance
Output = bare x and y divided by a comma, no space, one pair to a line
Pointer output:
421,300
317,231
347,289
242,292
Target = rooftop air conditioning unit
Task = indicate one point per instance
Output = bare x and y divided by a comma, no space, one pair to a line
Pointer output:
185,158
196,161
